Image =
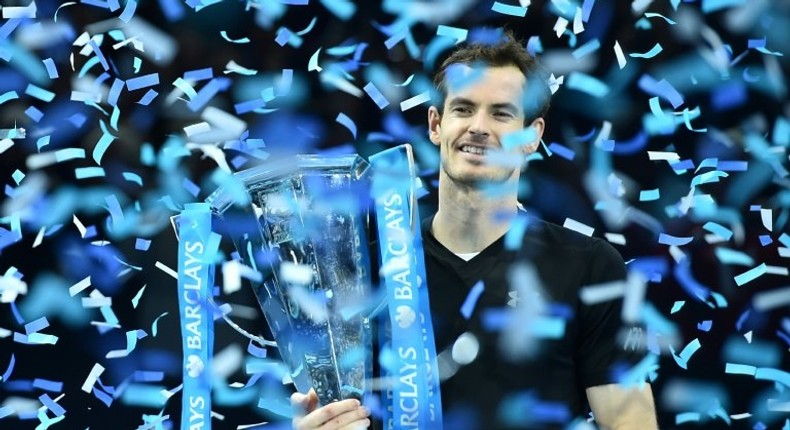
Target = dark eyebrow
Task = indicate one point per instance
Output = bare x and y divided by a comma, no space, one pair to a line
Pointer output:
506,106
460,101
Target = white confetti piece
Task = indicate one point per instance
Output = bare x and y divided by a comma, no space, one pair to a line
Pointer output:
80,286
39,237
615,238
415,101
136,298
578,25
131,343
578,227
767,217
618,52
296,273
560,26
161,266
602,292
12,12
90,381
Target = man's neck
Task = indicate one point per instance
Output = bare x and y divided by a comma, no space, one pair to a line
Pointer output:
470,219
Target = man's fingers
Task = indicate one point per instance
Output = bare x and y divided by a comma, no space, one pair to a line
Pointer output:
354,419
333,416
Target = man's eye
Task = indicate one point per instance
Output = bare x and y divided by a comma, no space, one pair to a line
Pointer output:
502,114
461,109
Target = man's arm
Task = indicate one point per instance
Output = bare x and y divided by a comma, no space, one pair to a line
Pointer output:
617,408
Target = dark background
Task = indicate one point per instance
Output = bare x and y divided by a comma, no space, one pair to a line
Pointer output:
747,97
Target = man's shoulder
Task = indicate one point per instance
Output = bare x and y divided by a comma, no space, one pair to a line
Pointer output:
554,235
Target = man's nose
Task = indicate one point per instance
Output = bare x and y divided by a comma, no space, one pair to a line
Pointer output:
479,125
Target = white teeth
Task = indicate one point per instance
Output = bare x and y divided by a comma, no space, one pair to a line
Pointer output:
473,150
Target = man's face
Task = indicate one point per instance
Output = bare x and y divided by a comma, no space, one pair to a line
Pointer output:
475,119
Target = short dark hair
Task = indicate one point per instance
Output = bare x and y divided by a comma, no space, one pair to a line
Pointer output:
507,51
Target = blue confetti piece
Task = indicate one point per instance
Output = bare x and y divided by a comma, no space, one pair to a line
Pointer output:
733,166
587,84
785,239
199,74
534,46
102,145
765,240
9,369
750,275
115,92
39,93
718,229
133,177
586,49
35,326
515,235
459,34
34,113
208,91
249,106
191,187
684,356
376,95
562,150
348,123
731,256
757,353
114,207
144,81
668,239
128,11
682,273
471,299
18,176
776,375
519,138
660,88
677,306
156,322
709,6
342,9
649,195
10,95
6,411
781,132
687,417
506,9
705,325
142,244
51,405
284,35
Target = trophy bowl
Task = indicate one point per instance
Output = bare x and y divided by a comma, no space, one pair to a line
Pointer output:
305,228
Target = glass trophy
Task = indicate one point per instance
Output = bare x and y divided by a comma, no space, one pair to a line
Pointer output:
305,230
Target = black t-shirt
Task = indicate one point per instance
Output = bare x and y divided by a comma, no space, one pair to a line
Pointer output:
546,390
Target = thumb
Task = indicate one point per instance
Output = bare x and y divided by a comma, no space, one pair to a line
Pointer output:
312,400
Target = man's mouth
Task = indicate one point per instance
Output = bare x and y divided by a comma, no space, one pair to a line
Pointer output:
477,150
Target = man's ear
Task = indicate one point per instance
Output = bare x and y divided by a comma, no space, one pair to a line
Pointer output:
539,125
434,125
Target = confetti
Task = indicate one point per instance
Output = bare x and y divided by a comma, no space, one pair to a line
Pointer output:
471,299
587,84
348,123
578,227
505,9
751,274
376,95
415,101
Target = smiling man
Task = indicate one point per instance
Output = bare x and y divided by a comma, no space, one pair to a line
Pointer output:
551,358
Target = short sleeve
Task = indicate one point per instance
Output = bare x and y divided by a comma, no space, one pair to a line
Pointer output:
598,351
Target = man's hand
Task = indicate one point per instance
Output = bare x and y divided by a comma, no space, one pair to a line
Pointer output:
343,415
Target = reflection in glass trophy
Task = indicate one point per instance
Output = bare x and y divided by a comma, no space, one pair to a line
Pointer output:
305,229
